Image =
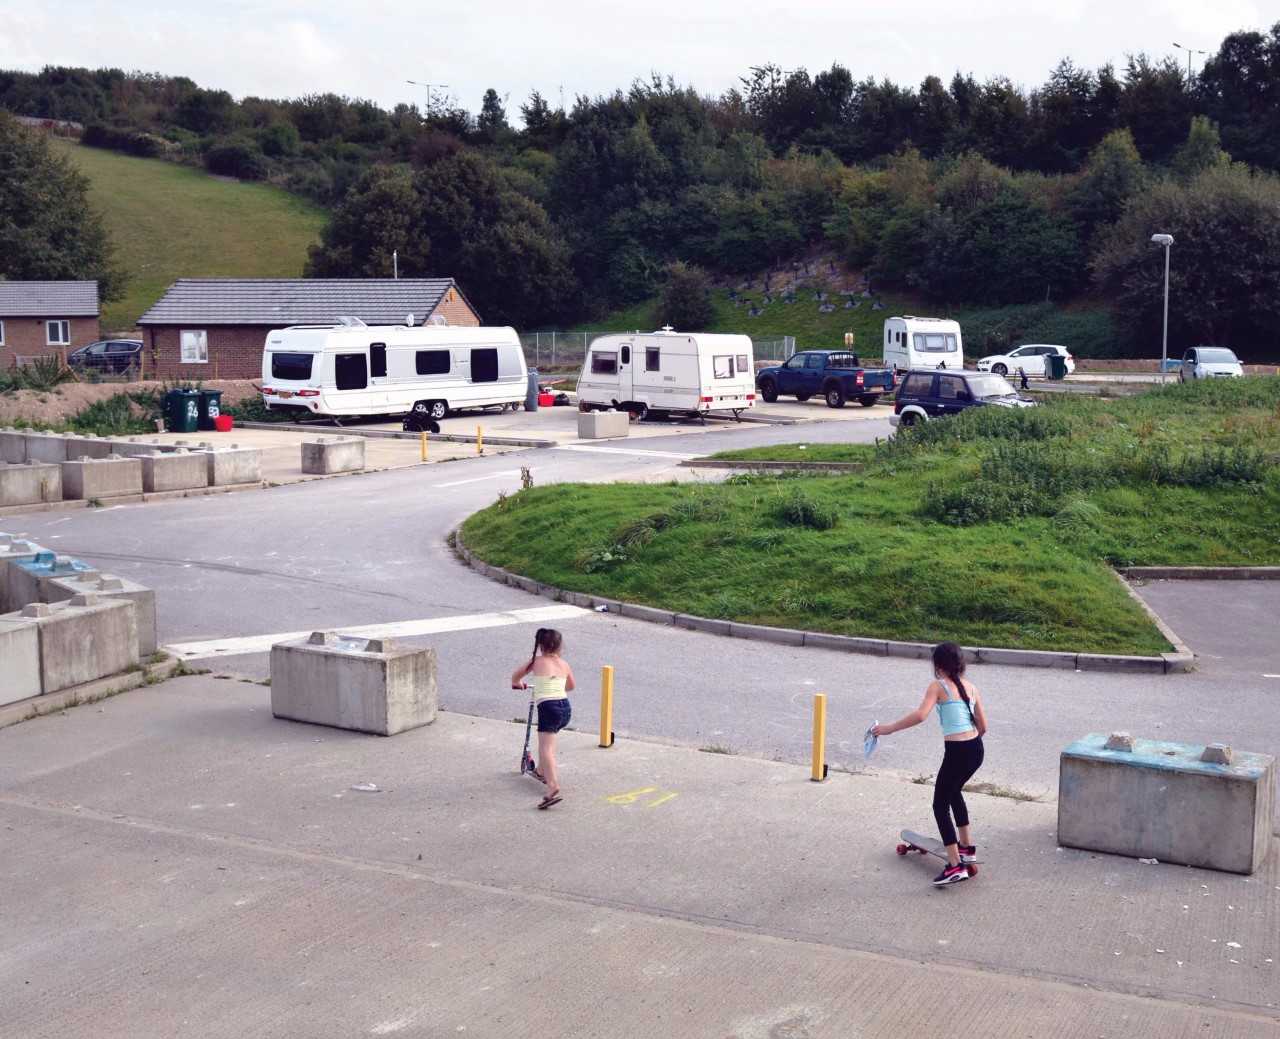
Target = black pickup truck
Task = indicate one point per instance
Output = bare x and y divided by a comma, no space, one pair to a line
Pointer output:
835,374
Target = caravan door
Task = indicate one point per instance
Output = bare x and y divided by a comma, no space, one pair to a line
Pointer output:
626,378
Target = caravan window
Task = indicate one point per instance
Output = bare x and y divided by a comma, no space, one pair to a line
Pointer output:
484,365
743,364
626,355
722,367
431,362
378,360
291,366
604,363
935,342
350,371
652,359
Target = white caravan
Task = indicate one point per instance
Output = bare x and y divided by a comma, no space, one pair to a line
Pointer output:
668,371
922,342
357,369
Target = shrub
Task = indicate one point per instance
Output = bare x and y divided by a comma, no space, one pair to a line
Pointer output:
43,373
798,508
236,159
118,415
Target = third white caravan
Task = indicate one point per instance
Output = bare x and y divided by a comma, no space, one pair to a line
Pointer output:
669,371
922,342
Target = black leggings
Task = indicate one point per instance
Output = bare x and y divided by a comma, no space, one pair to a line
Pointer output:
960,760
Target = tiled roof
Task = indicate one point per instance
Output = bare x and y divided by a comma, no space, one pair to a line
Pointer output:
48,299
295,301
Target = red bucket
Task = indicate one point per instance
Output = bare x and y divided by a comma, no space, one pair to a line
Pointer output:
546,400
223,423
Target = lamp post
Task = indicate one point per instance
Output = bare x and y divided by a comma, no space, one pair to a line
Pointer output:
430,87
1165,240
1190,51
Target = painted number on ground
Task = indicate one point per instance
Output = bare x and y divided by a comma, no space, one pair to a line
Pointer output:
646,797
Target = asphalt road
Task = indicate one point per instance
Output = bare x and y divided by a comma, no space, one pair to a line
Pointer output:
371,549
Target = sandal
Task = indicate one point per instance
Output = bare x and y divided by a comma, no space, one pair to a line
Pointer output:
549,800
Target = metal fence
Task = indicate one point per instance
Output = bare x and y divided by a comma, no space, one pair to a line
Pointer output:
554,349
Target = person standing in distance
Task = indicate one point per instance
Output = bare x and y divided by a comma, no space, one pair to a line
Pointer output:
552,678
964,723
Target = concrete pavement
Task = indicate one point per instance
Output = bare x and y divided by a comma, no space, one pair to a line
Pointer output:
177,862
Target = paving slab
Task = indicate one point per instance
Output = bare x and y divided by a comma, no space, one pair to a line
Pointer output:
181,837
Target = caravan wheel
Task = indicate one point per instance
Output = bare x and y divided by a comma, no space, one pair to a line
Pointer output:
638,412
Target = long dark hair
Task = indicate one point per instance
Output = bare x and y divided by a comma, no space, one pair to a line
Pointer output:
948,659
548,640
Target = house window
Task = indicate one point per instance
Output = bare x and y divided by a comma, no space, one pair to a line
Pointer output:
57,333
195,347
1,333
652,359
432,362
377,360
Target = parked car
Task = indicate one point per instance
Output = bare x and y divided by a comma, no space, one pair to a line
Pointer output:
1032,359
925,395
107,355
837,375
1210,362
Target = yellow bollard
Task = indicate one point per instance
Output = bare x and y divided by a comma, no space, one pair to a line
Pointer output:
424,445
479,441
606,706
819,738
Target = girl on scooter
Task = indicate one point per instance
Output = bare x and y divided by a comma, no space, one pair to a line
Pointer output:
551,678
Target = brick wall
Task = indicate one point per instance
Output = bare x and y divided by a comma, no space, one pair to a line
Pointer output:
456,311
25,337
235,352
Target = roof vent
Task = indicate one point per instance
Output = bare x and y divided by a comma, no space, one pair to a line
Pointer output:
408,320
437,319
351,322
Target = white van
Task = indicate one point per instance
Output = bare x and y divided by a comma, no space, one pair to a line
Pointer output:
922,342
358,369
668,371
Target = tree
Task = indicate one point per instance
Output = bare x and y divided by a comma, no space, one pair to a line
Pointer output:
685,302
48,229
1240,86
1113,175
1201,151
491,123
380,215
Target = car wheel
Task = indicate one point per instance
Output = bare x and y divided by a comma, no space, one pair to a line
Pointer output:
835,397
1000,369
769,391
908,418
866,402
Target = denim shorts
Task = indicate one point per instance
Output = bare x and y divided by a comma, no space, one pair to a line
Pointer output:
553,715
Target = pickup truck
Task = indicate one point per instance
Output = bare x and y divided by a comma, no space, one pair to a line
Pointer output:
836,374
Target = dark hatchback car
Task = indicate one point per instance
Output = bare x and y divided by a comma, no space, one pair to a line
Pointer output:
107,355
929,394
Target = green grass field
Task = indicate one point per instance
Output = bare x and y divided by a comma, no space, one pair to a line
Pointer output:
169,222
993,528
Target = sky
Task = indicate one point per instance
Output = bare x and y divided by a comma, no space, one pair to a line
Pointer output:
288,48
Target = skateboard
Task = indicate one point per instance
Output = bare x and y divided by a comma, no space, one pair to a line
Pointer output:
912,841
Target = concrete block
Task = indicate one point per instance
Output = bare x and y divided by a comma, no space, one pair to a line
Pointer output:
327,455
644,613
1026,657
1160,800
47,447
708,624
136,447
764,633
13,445
603,425
181,470
846,643
1118,662
12,548
111,477
234,464
87,445
30,484
108,586
26,578
908,650
19,660
82,639
368,685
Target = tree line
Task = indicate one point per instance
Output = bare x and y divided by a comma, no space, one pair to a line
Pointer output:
961,193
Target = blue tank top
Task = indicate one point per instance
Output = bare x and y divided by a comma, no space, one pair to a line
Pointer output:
954,714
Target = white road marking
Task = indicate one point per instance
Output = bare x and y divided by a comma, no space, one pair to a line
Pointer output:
1271,676
625,451
231,647
479,479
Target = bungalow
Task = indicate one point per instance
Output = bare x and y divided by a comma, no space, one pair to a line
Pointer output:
46,317
215,328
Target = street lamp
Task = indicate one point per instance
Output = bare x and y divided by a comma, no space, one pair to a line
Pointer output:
430,87
1190,51
1165,240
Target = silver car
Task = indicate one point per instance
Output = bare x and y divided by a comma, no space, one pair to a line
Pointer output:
1209,362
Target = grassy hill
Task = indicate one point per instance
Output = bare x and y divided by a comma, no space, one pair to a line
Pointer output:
169,221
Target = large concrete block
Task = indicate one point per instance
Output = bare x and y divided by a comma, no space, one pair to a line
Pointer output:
30,483
111,477
13,445
88,445
47,447
136,447
108,586
182,470
82,639
234,464
1161,800
26,578
603,425
19,660
11,551
327,455
368,685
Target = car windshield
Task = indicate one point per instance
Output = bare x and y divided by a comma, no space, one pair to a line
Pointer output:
983,386
1215,355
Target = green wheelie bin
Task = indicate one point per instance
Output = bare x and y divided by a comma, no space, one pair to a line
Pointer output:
210,407
182,411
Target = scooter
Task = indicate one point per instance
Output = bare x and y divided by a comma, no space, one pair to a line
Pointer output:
526,759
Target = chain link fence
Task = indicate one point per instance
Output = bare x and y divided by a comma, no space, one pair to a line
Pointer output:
569,349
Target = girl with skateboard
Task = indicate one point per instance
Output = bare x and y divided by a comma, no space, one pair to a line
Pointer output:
964,723
551,678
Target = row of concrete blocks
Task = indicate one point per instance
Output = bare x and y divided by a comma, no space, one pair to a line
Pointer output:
113,475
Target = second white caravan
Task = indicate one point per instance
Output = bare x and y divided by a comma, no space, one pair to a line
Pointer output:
922,342
358,369
668,371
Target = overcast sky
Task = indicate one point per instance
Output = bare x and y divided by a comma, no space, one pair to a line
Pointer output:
286,48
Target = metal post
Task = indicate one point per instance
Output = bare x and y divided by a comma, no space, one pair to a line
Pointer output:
606,706
479,441
819,772
1164,346
553,349
424,445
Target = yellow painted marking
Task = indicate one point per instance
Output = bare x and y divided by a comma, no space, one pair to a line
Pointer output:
631,796
661,800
